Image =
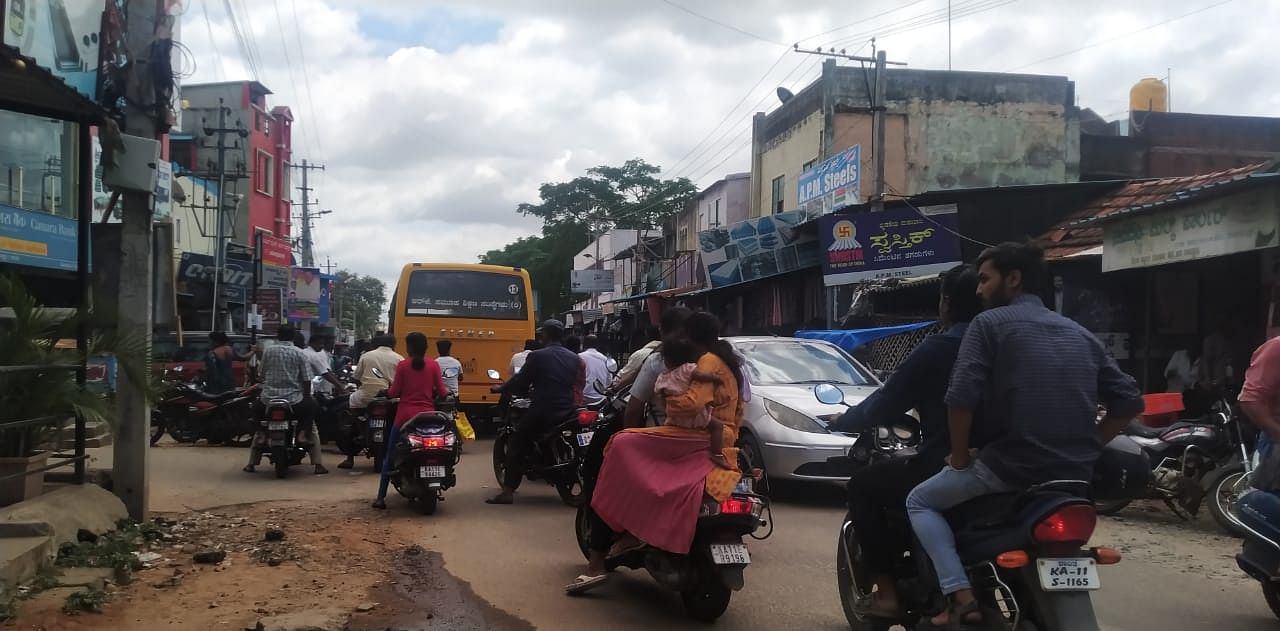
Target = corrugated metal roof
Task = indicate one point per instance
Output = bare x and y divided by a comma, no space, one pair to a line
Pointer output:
1081,231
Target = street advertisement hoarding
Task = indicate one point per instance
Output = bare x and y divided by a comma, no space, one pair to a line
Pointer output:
304,293
833,184
276,255
196,272
270,309
893,243
62,36
591,281
758,248
37,239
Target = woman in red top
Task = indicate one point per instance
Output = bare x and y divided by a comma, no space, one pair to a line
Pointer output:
417,383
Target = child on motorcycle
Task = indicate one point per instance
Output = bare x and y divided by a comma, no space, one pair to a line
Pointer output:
681,358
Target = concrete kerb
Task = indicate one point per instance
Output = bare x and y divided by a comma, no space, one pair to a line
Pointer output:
32,531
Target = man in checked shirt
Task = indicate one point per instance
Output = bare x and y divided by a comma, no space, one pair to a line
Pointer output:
286,374
1040,378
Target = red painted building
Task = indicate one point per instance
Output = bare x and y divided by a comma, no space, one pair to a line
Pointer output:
257,155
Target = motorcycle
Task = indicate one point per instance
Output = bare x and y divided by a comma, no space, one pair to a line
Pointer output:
1188,461
706,577
189,414
278,437
425,454
331,408
556,454
1259,556
1024,552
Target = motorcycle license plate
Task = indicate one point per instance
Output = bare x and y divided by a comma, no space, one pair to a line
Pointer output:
584,438
1068,575
377,436
377,423
730,554
431,471
278,426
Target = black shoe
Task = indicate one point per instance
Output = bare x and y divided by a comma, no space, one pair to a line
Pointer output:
380,504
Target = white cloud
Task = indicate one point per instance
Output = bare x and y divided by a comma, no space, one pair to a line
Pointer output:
431,144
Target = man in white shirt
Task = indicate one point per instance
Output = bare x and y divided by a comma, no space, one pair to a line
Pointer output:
517,360
630,371
450,367
382,359
1182,371
600,369
321,366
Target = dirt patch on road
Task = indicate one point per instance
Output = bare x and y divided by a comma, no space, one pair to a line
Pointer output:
274,564
1150,532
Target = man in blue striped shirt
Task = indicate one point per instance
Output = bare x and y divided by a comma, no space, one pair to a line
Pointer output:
1040,378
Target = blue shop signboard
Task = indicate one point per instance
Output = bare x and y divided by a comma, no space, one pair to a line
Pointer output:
37,239
894,243
833,184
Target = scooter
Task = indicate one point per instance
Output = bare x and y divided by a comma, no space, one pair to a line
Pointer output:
278,437
1024,553
425,454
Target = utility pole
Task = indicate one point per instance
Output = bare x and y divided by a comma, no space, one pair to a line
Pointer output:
308,254
142,119
219,211
877,109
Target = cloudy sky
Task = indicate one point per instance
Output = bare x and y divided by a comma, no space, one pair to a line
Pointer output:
436,118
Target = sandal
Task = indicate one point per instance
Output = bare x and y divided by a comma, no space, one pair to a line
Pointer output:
960,618
870,607
625,547
585,583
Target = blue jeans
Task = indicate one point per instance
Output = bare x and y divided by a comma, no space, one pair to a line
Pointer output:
392,437
925,505
1260,511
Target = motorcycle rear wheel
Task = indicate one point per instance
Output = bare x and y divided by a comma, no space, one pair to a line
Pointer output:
571,492
500,457
582,529
280,459
848,568
181,431
427,503
157,427
707,602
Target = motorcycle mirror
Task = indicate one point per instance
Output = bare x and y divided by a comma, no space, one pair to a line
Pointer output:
493,374
828,394
179,368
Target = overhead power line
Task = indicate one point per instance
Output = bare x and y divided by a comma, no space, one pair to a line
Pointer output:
1121,36
243,44
722,24
217,54
306,78
926,19
860,22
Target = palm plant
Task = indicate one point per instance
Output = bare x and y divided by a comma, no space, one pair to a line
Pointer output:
30,335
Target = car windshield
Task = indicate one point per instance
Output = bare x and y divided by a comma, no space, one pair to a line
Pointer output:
791,362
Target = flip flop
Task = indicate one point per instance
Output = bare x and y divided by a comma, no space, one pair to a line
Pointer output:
584,583
501,499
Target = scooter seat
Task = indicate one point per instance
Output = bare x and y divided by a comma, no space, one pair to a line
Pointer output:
1136,428
430,423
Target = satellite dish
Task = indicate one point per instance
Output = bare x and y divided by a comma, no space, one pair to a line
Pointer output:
785,95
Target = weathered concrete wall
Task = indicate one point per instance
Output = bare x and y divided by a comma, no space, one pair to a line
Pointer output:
784,155
857,129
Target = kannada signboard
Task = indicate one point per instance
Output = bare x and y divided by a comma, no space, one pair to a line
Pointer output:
270,309
1215,227
833,184
37,239
591,281
758,248
894,243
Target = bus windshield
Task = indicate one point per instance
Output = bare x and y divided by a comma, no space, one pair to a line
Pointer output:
466,294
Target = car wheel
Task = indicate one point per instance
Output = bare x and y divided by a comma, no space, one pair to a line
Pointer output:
751,457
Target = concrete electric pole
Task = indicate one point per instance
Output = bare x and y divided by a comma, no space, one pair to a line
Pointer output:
220,209
142,119
308,253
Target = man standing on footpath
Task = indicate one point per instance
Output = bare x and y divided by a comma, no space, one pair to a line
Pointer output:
1039,377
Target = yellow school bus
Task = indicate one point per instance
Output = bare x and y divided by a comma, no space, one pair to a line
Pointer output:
485,310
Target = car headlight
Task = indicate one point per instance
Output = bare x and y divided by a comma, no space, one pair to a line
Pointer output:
798,421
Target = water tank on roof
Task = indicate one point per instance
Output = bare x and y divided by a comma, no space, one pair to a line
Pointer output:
1149,95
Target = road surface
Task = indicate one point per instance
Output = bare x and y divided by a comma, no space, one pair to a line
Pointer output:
1174,576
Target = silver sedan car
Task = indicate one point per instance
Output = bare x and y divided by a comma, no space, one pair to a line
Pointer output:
783,431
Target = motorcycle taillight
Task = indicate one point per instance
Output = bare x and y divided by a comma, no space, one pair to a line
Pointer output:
587,417
279,414
736,506
431,442
377,411
1070,524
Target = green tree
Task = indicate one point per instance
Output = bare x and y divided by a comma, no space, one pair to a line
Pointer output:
359,302
630,196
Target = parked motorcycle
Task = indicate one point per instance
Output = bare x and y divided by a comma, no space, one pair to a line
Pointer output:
1024,552
1259,557
428,448
713,569
556,455
278,437
189,414
1189,461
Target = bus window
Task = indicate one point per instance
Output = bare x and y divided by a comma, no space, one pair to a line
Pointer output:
466,294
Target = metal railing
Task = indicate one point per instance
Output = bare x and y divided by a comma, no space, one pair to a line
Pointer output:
76,459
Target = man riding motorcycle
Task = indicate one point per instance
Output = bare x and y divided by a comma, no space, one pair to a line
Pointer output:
382,358
919,383
556,376
286,374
